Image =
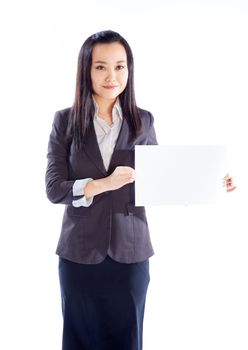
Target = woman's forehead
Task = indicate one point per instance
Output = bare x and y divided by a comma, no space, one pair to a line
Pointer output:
109,52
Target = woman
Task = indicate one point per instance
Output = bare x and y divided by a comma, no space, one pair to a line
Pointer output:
104,244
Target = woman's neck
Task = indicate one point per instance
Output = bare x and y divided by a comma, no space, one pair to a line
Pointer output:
105,106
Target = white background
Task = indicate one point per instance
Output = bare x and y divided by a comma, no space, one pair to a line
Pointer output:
191,73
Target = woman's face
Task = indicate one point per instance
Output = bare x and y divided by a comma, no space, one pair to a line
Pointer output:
109,71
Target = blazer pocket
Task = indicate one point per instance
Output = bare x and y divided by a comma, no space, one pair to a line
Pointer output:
137,211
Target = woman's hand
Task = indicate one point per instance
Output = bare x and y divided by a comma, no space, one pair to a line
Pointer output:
120,177
228,183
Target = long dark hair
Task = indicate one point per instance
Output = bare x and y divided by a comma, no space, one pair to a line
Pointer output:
83,108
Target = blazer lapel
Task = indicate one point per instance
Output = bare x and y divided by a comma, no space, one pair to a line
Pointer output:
122,142
92,149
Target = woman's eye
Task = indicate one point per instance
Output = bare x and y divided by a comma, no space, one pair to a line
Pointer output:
100,67
120,67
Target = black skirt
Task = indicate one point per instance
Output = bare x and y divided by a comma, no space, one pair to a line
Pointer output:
103,304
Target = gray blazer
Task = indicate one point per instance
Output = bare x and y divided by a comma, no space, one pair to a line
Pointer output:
112,224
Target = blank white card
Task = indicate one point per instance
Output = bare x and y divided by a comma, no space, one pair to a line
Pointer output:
179,175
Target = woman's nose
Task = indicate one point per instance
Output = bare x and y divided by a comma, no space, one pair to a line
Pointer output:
110,76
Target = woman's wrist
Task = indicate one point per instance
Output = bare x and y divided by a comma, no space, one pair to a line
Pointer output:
95,187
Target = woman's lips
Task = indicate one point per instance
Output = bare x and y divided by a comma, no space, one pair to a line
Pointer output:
110,87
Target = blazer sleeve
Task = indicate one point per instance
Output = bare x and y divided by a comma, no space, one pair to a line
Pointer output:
152,139
59,187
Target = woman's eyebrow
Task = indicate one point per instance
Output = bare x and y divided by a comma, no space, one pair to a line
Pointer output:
103,62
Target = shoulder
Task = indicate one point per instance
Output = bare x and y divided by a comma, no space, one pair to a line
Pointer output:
61,118
62,114
143,112
146,117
